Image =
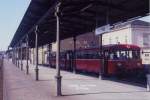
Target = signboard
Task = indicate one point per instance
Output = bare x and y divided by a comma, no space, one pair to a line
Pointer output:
102,29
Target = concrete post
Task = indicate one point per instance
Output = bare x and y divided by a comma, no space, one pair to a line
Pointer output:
27,55
36,47
58,76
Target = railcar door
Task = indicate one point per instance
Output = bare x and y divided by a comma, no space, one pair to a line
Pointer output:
69,60
105,63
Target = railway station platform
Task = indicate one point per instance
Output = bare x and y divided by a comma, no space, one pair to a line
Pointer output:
19,86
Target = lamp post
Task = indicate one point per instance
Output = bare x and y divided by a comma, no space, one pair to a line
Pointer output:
58,76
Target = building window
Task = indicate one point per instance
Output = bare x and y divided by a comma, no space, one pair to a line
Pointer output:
146,40
126,39
146,55
117,40
109,40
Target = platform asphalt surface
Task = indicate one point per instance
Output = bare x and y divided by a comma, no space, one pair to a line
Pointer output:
19,86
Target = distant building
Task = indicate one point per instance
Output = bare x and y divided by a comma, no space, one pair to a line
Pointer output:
135,32
82,41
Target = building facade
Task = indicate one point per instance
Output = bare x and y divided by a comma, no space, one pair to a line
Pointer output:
82,41
134,32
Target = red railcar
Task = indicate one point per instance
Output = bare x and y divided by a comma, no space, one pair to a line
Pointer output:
112,60
66,60
88,60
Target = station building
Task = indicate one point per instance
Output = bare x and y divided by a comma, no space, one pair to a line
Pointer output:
135,32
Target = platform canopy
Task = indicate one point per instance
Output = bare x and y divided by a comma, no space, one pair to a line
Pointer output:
77,17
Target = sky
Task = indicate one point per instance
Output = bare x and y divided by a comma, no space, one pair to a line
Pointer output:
11,13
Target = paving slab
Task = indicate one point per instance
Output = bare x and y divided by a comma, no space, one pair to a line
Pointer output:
20,86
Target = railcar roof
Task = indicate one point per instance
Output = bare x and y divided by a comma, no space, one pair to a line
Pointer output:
113,47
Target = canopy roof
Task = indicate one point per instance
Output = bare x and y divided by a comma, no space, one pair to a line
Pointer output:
77,17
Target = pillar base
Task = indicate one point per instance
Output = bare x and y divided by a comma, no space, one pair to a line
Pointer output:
74,71
36,74
18,66
27,68
58,82
21,66
148,88
102,76
148,82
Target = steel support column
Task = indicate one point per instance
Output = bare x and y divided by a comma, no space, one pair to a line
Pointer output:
15,56
21,55
102,61
49,50
27,55
42,56
18,57
36,47
58,76
74,56
12,55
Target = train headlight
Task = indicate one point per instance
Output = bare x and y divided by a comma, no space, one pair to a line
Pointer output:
119,64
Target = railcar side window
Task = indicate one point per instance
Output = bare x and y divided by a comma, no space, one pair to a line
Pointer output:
88,55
